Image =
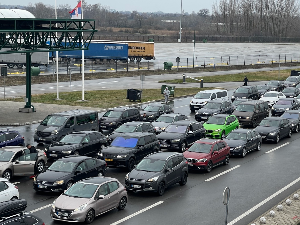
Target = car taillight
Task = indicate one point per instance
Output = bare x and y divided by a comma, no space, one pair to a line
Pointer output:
43,224
16,187
23,137
45,154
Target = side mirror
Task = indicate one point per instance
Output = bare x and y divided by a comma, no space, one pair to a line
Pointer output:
17,162
167,170
101,197
67,125
84,142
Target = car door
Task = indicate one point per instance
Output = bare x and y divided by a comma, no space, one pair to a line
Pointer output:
92,170
4,194
250,145
189,135
81,172
142,149
284,128
102,197
221,150
215,154
24,165
170,175
113,194
86,145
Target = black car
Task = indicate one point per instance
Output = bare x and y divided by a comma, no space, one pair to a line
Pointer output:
294,117
292,81
214,107
284,104
164,120
291,92
153,110
130,127
66,171
239,101
158,171
242,141
114,118
276,85
77,143
179,135
130,148
247,92
262,89
274,129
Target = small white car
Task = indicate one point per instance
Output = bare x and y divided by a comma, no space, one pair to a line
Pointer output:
272,97
8,191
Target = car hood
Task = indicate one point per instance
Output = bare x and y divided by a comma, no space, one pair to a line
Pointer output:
201,100
241,113
160,124
289,93
148,113
116,150
142,175
47,128
108,119
62,147
213,126
208,111
240,95
70,203
269,99
265,130
282,106
234,143
52,176
195,155
169,136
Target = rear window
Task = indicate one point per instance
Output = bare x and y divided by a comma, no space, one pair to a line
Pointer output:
221,94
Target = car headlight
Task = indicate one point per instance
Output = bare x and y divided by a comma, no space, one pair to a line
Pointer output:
53,205
66,152
35,131
238,148
273,133
272,107
202,160
218,130
54,132
127,176
112,123
153,179
151,116
80,208
121,156
247,118
232,96
175,140
59,182
287,109
192,102
100,153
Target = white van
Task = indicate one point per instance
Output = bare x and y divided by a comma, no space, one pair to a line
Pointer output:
202,97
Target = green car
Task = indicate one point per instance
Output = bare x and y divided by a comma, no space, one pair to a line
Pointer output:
218,126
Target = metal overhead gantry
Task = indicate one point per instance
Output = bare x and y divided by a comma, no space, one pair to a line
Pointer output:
43,35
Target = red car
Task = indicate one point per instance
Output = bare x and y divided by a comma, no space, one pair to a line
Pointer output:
205,154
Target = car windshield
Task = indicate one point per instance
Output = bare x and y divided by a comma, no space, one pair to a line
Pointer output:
114,114
62,166
200,148
212,105
125,129
151,165
55,121
201,95
216,120
236,136
262,87
151,108
71,139
81,190
166,119
5,156
290,115
288,90
176,129
269,123
124,142
242,90
245,108
270,94
291,79
237,102
283,102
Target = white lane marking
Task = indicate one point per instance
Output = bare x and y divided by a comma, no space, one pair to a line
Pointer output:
274,149
103,87
12,91
43,207
115,81
263,202
220,174
137,213
51,87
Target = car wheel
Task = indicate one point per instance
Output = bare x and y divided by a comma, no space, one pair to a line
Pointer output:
258,148
226,161
90,216
223,134
183,146
130,165
209,167
40,166
183,179
122,203
244,152
290,133
277,138
69,184
7,174
161,188
76,153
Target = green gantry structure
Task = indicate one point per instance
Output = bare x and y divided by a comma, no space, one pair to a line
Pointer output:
43,35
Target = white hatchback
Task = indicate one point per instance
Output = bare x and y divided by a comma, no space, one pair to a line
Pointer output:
8,191
272,97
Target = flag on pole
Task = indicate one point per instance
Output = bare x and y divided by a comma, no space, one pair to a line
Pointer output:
76,12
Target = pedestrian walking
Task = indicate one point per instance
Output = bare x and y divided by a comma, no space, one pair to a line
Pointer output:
31,148
245,81
166,94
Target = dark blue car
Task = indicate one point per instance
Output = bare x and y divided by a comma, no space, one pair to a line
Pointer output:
11,138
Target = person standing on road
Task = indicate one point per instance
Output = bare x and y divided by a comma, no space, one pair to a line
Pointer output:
32,149
166,94
245,81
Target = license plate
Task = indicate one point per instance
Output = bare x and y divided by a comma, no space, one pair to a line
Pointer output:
41,186
164,146
136,186
41,139
103,126
196,107
263,136
204,117
53,155
190,164
144,118
109,160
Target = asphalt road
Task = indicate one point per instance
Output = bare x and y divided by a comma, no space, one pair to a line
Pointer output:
260,176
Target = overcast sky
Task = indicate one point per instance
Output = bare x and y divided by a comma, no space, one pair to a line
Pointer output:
168,6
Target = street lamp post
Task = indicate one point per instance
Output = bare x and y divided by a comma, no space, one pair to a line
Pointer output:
180,31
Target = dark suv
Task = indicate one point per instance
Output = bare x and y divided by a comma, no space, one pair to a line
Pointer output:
166,119
158,171
152,111
116,117
11,138
77,143
214,107
251,112
130,148
248,92
283,105
180,135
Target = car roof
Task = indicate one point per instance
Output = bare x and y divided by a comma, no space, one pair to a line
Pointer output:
74,158
156,103
134,134
183,122
293,111
240,130
119,109
172,114
97,180
273,118
207,140
13,148
222,115
246,86
212,91
135,123
218,100
252,102
84,132
74,112
277,92
162,155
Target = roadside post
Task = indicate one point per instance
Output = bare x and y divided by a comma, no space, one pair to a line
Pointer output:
4,74
142,78
178,61
226,195
201,83
183,78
